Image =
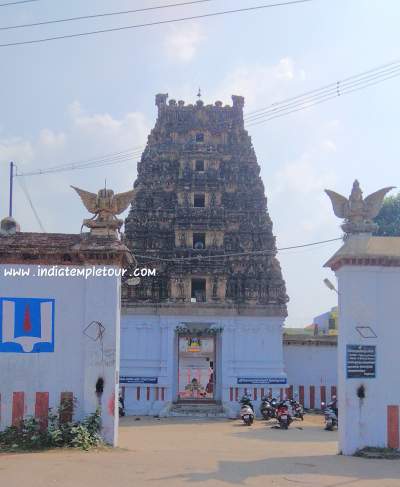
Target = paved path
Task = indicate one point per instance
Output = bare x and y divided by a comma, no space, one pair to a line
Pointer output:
180,453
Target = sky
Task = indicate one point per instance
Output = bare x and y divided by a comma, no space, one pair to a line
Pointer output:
76,99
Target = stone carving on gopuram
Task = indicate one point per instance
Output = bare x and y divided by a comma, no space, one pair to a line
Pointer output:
201,198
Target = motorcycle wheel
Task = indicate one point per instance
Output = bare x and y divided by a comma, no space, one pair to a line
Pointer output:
302,417
284,425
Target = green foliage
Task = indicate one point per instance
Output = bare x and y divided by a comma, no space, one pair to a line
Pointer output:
26,436
31,435
388,218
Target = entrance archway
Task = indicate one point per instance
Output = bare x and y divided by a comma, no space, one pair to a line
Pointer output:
196,367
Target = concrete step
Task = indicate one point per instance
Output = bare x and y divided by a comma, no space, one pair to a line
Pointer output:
197,410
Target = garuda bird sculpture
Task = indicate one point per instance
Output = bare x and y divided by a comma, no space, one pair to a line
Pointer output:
105,205
357,211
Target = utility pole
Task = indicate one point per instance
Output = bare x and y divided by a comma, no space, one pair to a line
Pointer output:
11,188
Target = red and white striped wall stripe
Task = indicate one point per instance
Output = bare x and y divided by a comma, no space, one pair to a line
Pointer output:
18,405
143,393
393,433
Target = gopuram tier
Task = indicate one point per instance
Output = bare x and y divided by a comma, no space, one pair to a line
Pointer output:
200,216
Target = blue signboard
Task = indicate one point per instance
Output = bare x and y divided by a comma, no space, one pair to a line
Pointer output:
26,325
128,379
262,380
361,361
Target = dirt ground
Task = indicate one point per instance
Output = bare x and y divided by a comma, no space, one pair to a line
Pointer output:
177,452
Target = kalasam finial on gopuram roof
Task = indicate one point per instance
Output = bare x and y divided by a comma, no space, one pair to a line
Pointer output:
358,212
105,205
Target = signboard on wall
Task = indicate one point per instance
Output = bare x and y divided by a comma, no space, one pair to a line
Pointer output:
128,379
361,361
262,380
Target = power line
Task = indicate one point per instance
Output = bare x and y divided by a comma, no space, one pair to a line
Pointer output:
321,100
107,159
26,192
276,110
106,14
149,24
17,3
239,254
336,89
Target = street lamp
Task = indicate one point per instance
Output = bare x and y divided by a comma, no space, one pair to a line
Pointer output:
330,286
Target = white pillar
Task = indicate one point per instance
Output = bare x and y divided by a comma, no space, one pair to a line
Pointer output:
368,272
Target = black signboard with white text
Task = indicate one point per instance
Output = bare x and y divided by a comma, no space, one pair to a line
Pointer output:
361,361
128,379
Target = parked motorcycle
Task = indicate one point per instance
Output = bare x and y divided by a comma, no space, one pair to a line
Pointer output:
246,410
331,414
298,410
268,407
284,414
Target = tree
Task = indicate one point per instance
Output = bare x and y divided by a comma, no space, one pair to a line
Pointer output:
388,218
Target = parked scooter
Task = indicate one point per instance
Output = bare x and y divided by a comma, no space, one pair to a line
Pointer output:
284,414
247,410
331,414
268,407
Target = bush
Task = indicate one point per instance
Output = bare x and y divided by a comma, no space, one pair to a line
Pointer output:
31,435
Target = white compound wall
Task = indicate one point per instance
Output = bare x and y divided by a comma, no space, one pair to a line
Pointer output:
48,349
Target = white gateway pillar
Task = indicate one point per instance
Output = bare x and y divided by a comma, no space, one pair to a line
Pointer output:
368,273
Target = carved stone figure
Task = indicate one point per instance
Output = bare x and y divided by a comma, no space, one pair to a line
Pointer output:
181,289
357,211
105,205
213,200
215,288
186,201
182,239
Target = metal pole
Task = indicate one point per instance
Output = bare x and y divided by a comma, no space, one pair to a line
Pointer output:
11,187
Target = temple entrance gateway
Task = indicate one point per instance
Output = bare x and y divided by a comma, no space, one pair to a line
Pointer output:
196,368
204,324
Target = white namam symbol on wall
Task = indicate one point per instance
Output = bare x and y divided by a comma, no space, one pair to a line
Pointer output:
26,325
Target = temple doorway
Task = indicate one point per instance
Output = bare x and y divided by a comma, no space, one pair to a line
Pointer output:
196,368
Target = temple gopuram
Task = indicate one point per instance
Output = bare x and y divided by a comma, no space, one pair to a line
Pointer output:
208,326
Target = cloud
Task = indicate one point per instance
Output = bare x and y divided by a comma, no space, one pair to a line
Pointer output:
302,213
182,41
85,136
305,175
296,193
328,145
16,148
104,130
261,84
50,139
